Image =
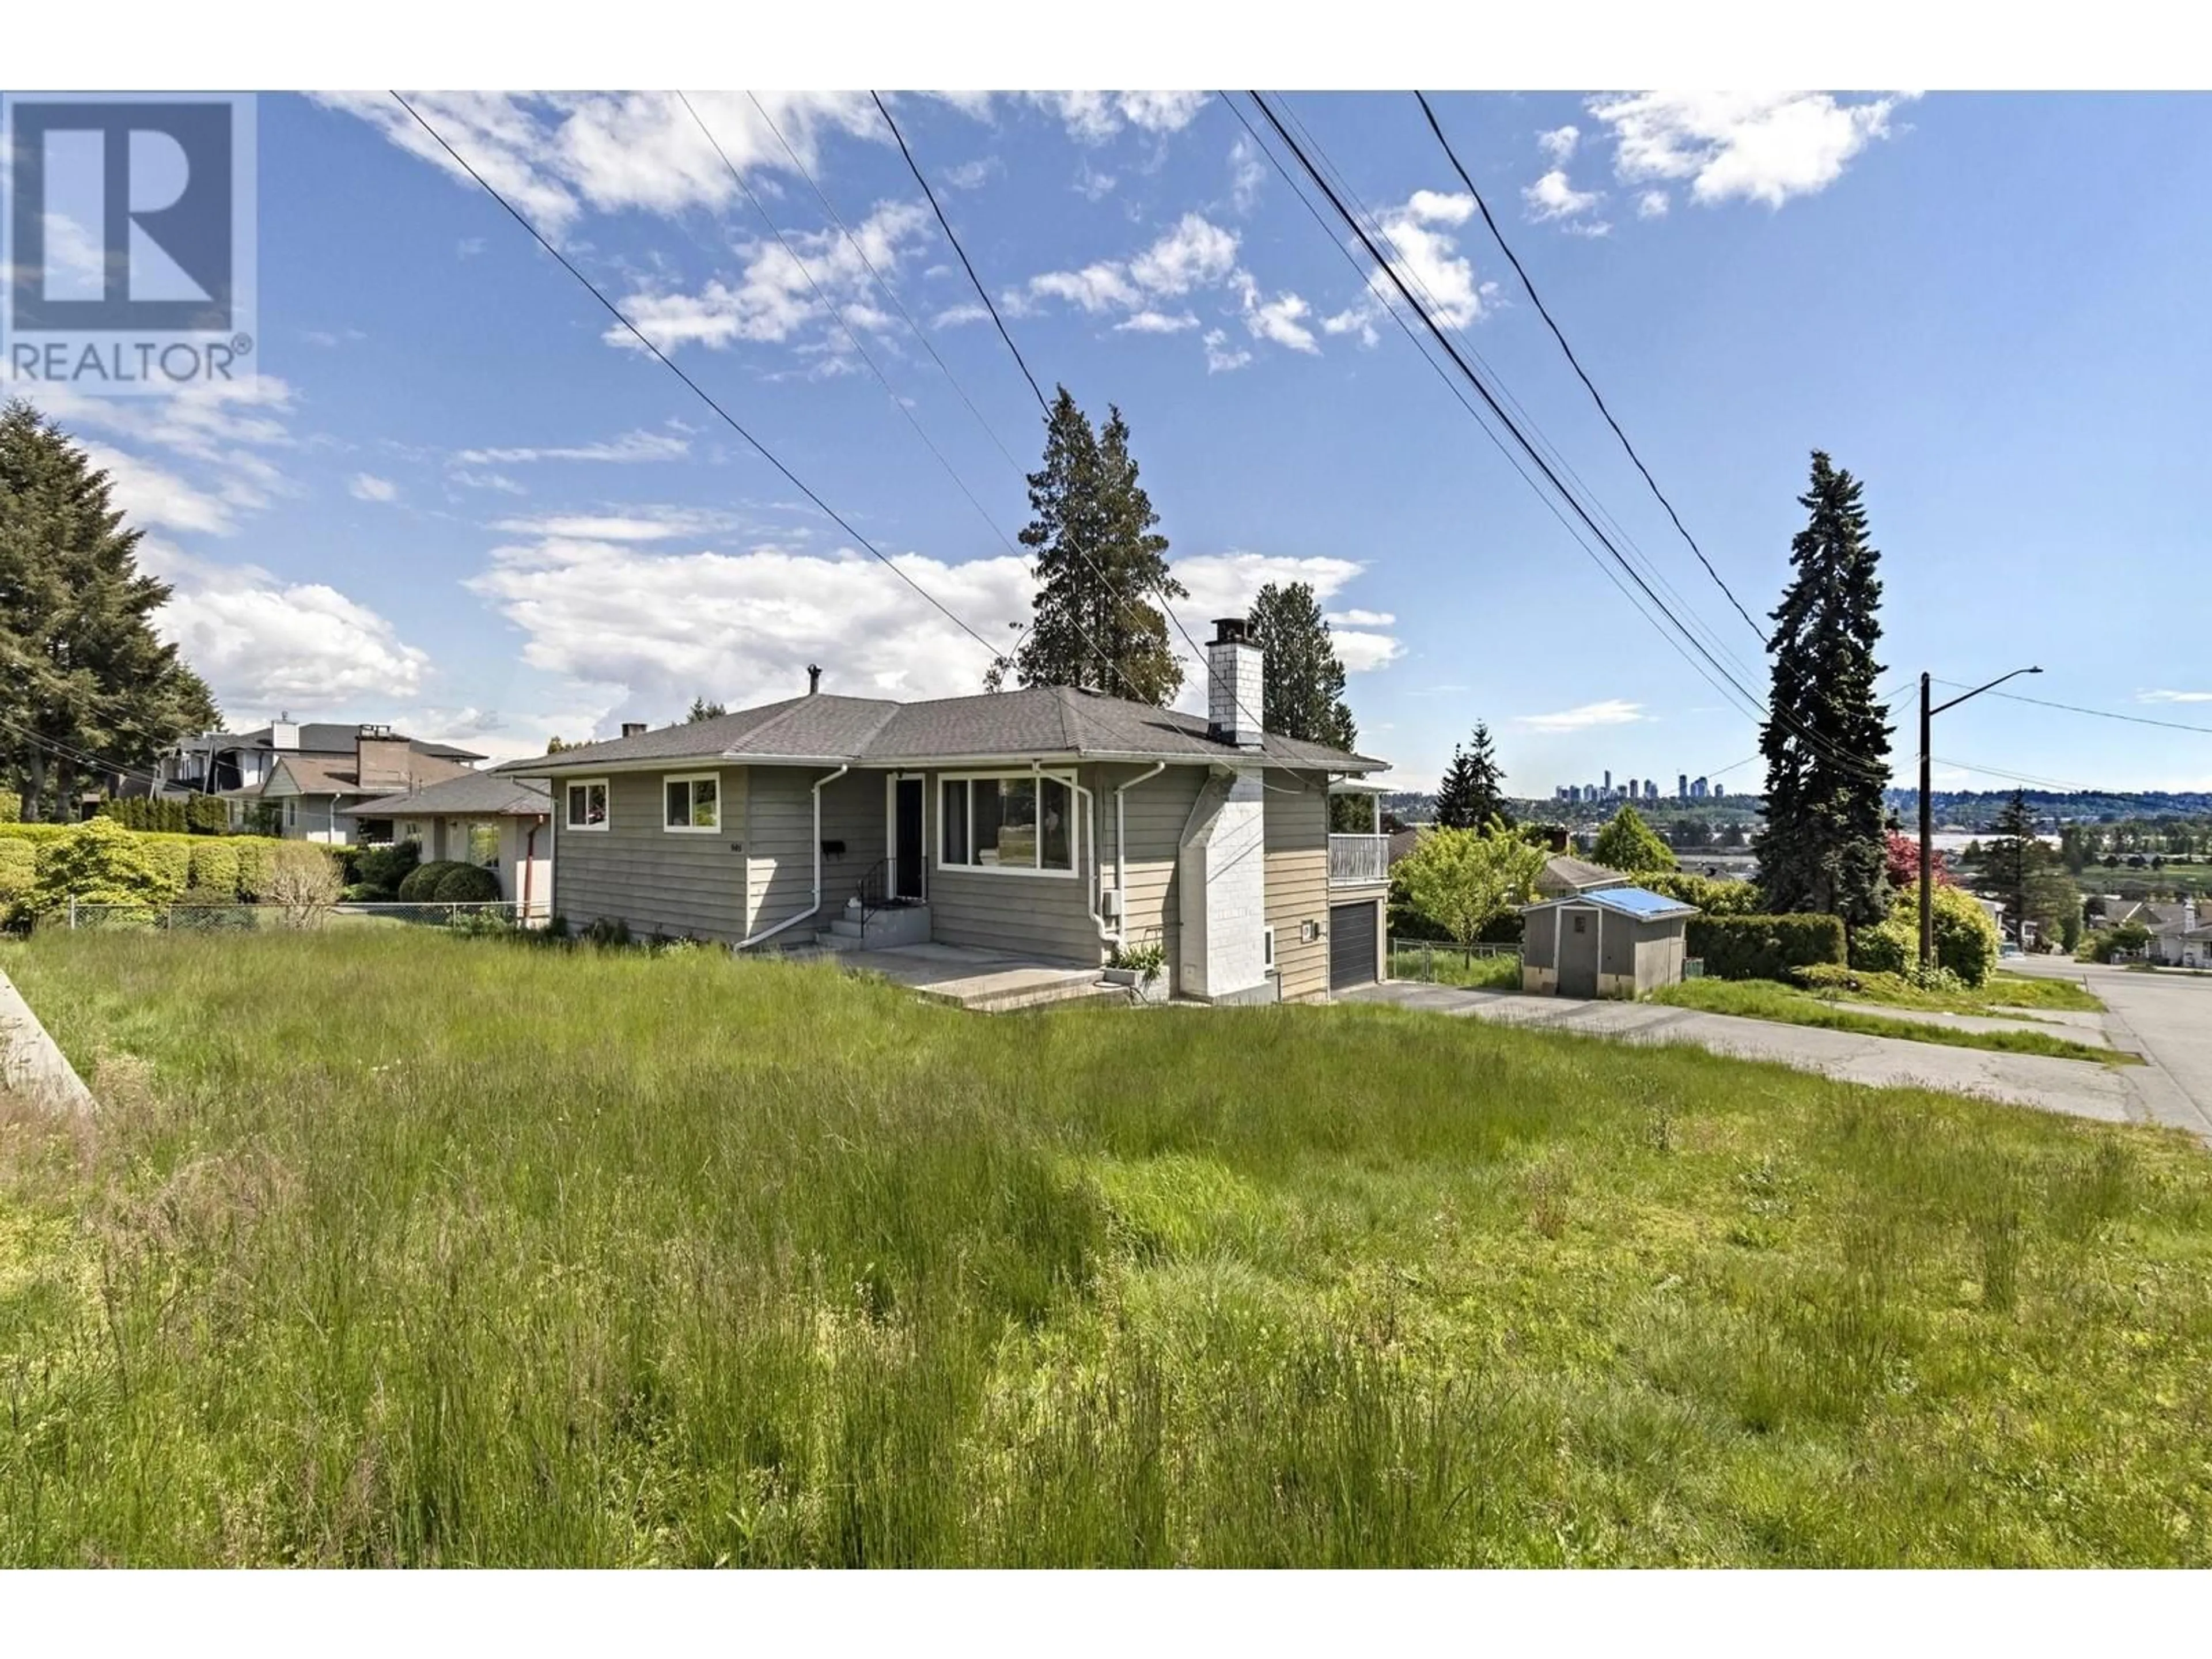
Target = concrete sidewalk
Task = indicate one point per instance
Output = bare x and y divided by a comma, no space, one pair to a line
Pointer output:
32,1066
2078,1088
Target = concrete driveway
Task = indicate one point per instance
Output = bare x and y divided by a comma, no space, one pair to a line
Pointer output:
2167,1017
2079,1088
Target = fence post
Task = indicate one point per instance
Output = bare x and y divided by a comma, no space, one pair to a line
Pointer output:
1428,962
72,925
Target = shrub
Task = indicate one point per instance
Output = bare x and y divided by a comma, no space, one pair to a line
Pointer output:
209,909
11,807
388,866
466,884
1966,938
304,879
420,882
215,866
1764,947
205,815
100,862
257,858
1716,897
19,872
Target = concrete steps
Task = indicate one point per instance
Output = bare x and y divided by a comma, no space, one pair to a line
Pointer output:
1038,996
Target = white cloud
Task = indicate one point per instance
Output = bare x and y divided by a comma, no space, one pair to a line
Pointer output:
631,446
1155,322
2173,696
1225,583
555,154
263,642
1278,320
663,627
1196,253
1612,711
960,315
1761,146
652,524
1093,118
151,495
1246,175
1553,198
1360,619
775,295
498,481
970,176
1559,144
1425,255
368,486
1099,286
1220,359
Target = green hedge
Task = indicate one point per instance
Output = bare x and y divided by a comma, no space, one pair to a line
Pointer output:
237,865
215,866
1764,947
1711,894
420,885
19,870
466,884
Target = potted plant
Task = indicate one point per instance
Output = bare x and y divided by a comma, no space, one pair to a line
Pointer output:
1140,968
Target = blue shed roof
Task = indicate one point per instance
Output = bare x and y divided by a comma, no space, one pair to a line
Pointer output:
1640,903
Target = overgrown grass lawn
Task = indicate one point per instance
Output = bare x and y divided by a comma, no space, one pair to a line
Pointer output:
1759,998
391,1247
1449,964
2000,993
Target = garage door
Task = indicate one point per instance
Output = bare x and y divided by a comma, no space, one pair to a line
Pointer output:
1351,946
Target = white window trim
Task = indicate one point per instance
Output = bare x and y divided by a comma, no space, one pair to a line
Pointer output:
568,827
1029,871
714,829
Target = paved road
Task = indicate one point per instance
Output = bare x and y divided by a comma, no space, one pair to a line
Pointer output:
2167,1019
2080,1088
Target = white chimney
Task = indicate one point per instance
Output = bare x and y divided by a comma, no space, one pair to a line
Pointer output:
283,733
1232,684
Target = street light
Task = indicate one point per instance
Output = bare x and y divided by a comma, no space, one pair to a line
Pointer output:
1927,820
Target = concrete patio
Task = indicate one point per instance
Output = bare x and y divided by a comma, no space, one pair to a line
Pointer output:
982,981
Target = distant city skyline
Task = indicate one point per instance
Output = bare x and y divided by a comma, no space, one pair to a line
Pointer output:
1686,789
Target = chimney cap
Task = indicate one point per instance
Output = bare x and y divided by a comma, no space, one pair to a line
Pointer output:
813,678
633,728
1231,630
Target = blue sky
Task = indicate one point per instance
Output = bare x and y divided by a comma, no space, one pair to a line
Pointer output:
453,502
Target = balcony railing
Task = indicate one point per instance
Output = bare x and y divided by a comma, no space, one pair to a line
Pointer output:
1358,860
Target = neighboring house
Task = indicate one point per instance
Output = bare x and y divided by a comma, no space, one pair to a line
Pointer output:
1565,876
312,791
2176,938
1402,843
239,763
1603,942
2114,911
1048,822
503,823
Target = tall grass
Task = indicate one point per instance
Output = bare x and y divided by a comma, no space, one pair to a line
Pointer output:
391,1248
1754,999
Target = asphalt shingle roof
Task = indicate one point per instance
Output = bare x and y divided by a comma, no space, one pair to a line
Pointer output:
1049,720
473,794
1579,875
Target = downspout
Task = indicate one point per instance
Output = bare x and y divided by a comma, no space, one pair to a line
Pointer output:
1106,935
529,859
747,943
1122,850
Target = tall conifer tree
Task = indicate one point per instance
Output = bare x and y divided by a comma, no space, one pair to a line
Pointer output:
83,671
1301,677
1473,788
1824,739
1100,560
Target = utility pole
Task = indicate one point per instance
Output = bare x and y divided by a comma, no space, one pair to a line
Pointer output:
1927,819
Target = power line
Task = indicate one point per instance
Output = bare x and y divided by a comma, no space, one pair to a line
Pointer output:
838,317
1834,753
697,390
1450,385
2100,713
914,168
1597,398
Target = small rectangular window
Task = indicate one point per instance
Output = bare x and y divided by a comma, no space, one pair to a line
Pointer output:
953,824
588,804
693,802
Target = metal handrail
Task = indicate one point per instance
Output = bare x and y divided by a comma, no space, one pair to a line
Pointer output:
872,889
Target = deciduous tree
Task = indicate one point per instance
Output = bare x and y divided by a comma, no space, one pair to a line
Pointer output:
1463,879
1628,844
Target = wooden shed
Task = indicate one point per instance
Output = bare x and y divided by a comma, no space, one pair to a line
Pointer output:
1613,942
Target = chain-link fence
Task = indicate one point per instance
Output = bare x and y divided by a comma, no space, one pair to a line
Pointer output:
493,915
1474,967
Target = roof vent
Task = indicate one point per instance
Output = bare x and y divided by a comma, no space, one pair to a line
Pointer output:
813,678
633,728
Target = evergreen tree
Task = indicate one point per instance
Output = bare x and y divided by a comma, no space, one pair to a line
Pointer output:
1472,791
1302,683
83,671
704,710
1100,559
2013,858
1824,739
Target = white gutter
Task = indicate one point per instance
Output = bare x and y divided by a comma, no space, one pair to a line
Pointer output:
747,943
1122,850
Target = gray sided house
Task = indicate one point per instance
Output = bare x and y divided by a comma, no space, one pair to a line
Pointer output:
503,823
1048,824
1603,942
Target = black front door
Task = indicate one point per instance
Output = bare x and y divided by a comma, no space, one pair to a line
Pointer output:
906,821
